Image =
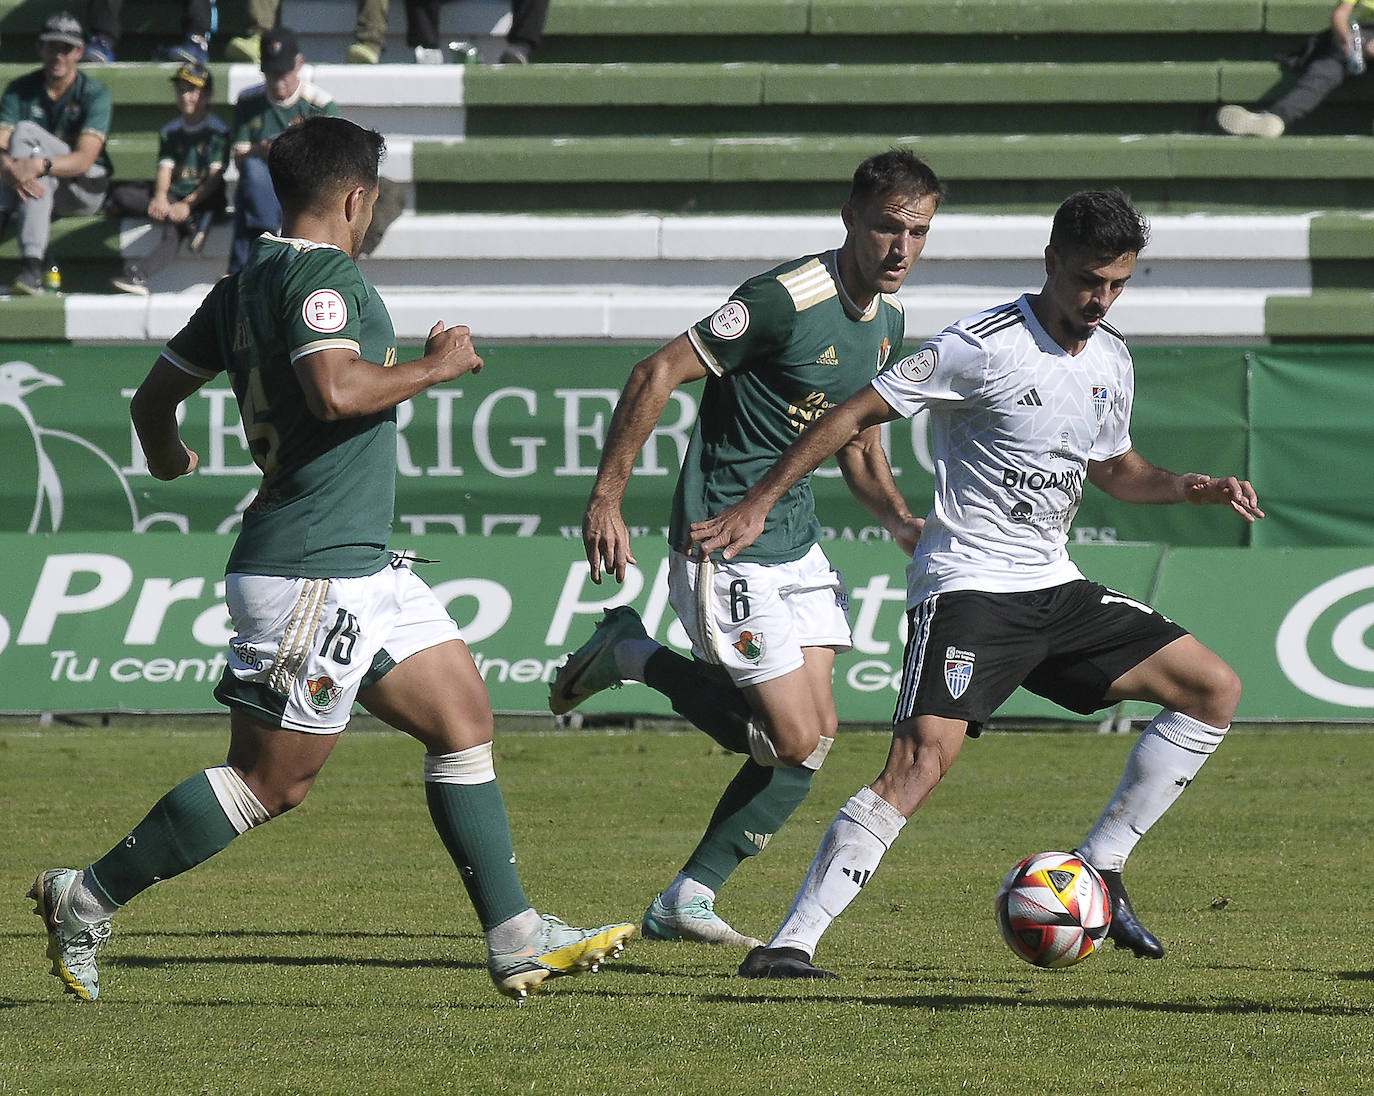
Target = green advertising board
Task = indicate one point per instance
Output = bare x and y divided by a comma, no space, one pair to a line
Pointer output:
514,449
123,622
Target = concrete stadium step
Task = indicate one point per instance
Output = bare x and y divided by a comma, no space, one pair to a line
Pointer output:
641,277
990,172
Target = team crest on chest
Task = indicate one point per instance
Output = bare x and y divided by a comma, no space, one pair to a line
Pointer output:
749,645
1102,399
958,671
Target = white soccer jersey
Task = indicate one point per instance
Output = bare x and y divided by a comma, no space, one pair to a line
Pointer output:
1015,419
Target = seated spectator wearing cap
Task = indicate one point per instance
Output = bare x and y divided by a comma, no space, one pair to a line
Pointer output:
192,153
260,114
53,124
198,19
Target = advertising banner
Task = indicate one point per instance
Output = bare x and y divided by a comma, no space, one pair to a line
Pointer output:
514,449
1310,427
137,623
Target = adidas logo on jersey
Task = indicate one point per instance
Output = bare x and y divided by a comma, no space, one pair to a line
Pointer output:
829,357
1030,399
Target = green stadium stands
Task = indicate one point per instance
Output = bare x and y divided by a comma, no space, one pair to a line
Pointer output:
678,109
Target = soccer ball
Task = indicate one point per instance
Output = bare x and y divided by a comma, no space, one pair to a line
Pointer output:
1053,909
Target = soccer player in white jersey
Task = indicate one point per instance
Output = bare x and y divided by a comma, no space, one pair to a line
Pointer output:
1027,400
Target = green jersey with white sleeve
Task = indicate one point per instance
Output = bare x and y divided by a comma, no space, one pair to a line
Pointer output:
325,505
787,346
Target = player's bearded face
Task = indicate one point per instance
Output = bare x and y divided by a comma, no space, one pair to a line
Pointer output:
886,236
1080,288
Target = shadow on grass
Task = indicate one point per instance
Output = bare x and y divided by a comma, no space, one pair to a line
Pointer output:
948,1002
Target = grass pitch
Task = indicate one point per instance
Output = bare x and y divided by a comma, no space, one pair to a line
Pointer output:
334,950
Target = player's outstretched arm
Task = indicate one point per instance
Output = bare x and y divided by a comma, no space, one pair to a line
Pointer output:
1131,478
868,474
340,385
605,537
153,410
738,526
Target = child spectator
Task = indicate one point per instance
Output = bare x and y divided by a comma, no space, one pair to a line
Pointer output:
192,153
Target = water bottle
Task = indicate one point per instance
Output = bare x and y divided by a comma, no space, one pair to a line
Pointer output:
462,52
52,279
1354,62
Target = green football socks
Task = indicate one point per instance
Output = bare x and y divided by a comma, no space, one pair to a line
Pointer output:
754,807
703,695
186,827
471,820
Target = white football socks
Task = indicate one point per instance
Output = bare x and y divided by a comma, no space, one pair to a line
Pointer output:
512,932
1163,762
849,854
684,888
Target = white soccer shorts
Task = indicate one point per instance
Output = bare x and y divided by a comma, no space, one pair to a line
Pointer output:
753,619
303,647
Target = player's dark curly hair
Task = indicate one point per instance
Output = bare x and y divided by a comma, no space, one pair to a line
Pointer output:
315,159
1099,222
896,171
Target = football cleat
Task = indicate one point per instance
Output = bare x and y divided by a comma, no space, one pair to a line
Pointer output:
553,950
1126,931
591,668
697,921
72,943
781,963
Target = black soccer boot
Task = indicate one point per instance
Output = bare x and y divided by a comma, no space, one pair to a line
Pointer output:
1126,931
781,963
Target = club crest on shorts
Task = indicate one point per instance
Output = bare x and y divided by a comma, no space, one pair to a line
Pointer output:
958,671
324,694
749,645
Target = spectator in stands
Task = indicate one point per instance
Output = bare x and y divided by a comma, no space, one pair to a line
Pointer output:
260,114
526,30
369,36
198,19
1324,62
192,153
53,124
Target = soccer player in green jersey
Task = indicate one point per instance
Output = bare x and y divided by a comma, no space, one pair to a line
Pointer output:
765,628
323,613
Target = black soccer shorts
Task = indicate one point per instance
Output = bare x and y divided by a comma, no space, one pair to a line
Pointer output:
967,651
